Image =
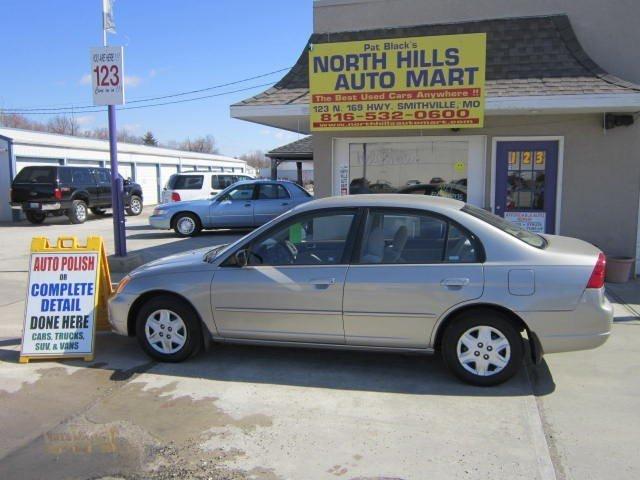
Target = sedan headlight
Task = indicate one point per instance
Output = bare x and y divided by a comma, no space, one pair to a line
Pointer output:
160,211
123,283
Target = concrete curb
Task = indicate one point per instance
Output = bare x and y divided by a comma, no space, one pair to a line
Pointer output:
125,264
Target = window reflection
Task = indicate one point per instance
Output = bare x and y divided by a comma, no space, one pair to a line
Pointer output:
420,168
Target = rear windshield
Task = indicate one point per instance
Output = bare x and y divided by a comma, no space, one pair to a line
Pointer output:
185,182
36,175
520,233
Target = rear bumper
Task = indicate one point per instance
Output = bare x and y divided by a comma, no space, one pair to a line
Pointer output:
40,206
586,327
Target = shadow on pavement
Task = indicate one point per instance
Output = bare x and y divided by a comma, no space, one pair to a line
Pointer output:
210,238
315,368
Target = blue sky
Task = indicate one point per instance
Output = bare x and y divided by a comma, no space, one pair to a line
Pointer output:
170,46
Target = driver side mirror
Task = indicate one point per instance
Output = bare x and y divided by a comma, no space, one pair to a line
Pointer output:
242,258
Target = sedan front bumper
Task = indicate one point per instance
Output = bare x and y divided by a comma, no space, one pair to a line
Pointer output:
119,306
161,222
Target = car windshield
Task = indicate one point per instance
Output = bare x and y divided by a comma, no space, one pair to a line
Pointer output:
520,233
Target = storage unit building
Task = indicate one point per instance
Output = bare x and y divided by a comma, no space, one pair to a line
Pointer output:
149,166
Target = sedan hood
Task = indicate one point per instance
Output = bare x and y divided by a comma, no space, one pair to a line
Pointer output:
190,260
187,204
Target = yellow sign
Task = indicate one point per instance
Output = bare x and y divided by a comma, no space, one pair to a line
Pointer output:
68,288
403,83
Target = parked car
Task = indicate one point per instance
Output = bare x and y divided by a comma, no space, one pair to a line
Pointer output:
245,204
448,190
72,191
393,272
197,185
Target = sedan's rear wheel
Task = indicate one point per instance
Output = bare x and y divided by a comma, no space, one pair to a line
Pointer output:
168,329
187,225
482,347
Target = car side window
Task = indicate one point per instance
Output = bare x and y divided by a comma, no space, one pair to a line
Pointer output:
103,176
188,182
82,176
241,192
316,239
272,191
396,237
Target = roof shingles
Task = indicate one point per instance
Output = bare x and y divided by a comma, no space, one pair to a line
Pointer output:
526,56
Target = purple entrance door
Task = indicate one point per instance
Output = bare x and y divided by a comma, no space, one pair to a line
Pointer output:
526,180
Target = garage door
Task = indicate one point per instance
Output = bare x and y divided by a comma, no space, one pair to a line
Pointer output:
147,177
126,170
22,162
165,172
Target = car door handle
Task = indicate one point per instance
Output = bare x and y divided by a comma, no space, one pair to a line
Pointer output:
247,204
455,282
285,203
322,282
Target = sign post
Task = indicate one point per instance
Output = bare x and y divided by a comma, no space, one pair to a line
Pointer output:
399,83
107,73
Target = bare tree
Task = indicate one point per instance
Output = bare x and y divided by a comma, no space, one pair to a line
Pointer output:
206,144
126,136
256,159
63,125
16,120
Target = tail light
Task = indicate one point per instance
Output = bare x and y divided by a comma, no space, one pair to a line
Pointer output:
175,197
57,193
597,276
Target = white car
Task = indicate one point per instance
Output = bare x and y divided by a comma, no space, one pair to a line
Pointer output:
198,185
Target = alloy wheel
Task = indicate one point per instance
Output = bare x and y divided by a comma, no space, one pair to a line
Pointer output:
186,225
135,206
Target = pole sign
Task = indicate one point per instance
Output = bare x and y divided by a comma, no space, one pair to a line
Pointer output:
107,75
66,296
403,83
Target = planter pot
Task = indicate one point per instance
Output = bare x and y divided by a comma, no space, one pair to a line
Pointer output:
619,269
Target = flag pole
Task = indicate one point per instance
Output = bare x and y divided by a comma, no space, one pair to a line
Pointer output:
117,187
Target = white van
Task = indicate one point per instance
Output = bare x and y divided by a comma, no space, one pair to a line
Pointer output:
195,185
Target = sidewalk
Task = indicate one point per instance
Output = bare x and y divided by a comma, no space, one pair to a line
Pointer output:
626,299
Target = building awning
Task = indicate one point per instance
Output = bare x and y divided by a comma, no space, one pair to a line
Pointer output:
299,150
534,65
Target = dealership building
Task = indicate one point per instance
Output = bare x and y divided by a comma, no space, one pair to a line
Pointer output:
559,148
149,166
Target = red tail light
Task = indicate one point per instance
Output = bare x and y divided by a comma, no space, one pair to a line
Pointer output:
175,197
598,274
57,193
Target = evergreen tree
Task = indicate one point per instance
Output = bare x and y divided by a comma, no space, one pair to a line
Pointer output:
149,139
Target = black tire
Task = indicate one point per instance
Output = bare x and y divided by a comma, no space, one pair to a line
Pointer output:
497,321
98,211
75,212
35,217
135,206
192,218
180,309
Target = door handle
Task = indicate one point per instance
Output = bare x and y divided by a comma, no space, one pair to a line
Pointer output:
322,282
285,203
247,204
455,282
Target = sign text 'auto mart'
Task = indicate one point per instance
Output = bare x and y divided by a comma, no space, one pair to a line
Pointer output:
407,83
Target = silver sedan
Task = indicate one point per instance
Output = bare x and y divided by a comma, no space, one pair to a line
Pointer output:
244,204
377,272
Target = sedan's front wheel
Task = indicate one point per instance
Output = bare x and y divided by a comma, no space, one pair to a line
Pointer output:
168,329
482,347
187,224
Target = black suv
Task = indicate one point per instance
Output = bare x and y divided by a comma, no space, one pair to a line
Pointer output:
52,190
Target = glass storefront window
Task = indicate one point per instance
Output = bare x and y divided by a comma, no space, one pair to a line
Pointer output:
420,168
525,184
